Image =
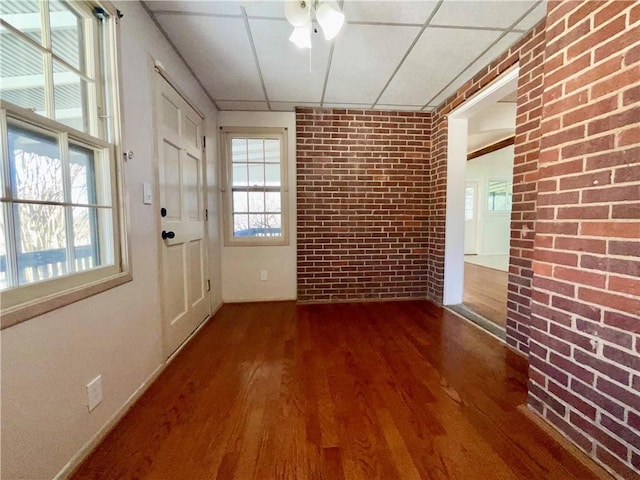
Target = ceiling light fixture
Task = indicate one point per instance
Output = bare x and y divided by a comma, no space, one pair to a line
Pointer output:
298,13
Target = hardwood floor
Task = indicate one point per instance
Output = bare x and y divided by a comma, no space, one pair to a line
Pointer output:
398,390
485,292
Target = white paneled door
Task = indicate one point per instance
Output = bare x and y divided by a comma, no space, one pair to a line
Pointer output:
179,131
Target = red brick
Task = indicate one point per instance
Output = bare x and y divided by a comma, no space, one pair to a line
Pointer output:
625,285
611,229
626,211
581,277
622,394
589,393
614,463
589,212
615,302
623,247
624,322
581,244
613,265
579,308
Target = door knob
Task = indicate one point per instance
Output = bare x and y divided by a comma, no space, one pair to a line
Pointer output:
166,234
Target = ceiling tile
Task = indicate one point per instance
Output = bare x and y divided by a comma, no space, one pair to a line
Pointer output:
347,105
209,8
438,56
227,105
289,73
531,20
364,58
290,106
496,14
416,12
264,8
400,108
494,52
227,73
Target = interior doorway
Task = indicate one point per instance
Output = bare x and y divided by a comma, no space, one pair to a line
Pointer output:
486,259
478,207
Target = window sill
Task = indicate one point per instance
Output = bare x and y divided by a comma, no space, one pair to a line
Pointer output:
256,243
25,311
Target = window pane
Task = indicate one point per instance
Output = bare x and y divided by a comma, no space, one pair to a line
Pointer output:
499,196
70,98
273,224
272,151
24,15
272,202
469,202
239,175
85,242
21,73
4,271
66,32
239,150
256,175
82,173
36,168
256,202
105,235
272,172
41,242
240,203
255,149
256,223
240,225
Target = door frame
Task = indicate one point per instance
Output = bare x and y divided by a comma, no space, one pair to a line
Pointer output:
458,121
157,74
476,201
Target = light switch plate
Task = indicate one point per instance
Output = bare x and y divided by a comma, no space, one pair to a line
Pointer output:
147,194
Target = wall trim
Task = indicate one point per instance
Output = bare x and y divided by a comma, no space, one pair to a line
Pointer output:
101,434
565,443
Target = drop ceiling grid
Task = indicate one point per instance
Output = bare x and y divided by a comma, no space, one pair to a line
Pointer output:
363,60
211,36
504,41
298,75
322,89
438,56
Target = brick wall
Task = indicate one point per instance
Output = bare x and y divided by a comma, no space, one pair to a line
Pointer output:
528,53
362,194
585,325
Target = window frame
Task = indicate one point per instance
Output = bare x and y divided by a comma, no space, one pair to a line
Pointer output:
227,135
22,303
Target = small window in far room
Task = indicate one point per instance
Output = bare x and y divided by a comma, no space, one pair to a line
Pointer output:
255,185
499,196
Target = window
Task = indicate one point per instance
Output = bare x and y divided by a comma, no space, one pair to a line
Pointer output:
499,196
60,235
256,186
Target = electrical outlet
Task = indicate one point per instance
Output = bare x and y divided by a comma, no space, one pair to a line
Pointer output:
263,275
94,392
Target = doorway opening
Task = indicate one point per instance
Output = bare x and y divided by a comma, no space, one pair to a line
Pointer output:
479,185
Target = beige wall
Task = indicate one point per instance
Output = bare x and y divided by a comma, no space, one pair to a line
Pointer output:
241,266
46,362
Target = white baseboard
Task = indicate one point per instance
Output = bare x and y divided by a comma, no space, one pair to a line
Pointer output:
88,447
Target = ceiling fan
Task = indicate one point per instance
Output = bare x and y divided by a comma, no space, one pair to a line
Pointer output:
299,14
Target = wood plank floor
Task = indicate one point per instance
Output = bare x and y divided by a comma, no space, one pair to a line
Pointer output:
485,292
398,390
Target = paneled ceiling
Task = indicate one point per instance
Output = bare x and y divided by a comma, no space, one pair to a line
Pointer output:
393,55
